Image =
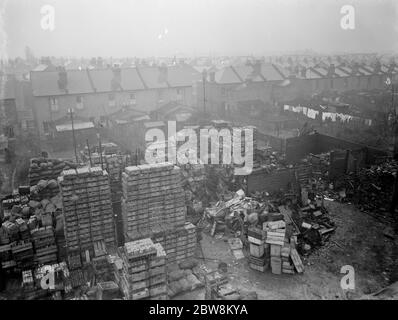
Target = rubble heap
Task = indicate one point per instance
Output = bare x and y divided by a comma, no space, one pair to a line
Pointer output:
371,188
87,210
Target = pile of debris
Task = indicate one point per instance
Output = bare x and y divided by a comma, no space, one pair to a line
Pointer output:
371,188
268,159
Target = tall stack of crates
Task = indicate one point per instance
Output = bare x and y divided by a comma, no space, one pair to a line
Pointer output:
45,245
144,270
276,238
87,211
284,256
152,195
259,250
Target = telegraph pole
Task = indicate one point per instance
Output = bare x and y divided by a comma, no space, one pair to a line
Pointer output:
394,200
71,111
204,76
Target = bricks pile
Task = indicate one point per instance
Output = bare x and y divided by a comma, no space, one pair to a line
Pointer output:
152,195
144,270
87,211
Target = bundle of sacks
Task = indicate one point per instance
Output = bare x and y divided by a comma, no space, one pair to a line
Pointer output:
183,277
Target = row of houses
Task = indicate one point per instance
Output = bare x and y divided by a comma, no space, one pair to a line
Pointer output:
123,94
227,89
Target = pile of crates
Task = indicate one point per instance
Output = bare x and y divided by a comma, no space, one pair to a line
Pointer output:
45,245
144,270
259,250
87,211
284,256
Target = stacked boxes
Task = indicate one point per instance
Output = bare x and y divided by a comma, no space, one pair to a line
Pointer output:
87,210
259,250
180,244
144,270
153,207
45,246
284,257
22,251
152,195
276,231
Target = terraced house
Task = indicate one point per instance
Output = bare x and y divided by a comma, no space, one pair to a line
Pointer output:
96,94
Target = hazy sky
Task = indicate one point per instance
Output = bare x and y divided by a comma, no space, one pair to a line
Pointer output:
195,27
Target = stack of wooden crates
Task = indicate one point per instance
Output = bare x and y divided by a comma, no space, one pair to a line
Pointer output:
87,208
152,195
144,270
153,206
259,250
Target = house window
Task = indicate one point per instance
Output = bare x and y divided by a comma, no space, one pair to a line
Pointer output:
111,100
54,104
79,102
223,92
133,98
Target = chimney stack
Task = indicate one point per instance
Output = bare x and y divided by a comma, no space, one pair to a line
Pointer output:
163,73
331,70
62,78
304,72
256,68
116,83
212,76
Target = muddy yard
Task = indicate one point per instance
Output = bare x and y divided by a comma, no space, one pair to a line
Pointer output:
358,241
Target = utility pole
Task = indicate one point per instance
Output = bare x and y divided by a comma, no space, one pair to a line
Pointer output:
394,200
71,111
100,148
89,153
204,76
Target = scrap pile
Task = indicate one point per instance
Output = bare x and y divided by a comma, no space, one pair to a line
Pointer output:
87,211
144,270
371,188
153,206
268,159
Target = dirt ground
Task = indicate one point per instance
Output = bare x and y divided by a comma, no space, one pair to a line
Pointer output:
358,241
